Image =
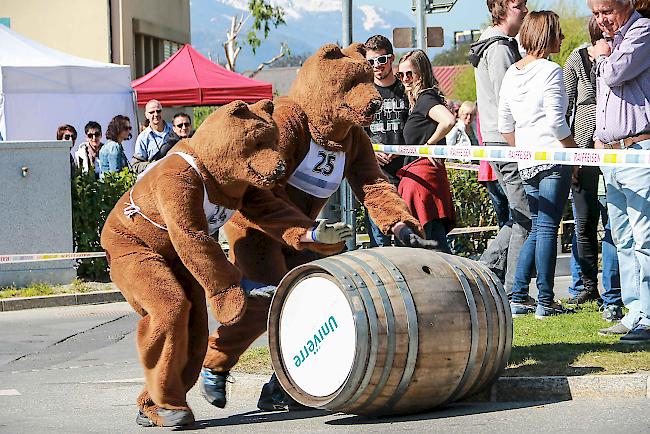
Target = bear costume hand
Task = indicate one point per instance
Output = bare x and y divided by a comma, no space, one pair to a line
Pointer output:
331,233
409,238
228,305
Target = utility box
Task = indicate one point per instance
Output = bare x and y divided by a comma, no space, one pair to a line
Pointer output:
35,211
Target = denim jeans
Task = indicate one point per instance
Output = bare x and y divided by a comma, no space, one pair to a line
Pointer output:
502,253
611,277
499,202
628,203
377,238
547,195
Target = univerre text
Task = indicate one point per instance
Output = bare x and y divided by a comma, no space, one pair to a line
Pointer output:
313,345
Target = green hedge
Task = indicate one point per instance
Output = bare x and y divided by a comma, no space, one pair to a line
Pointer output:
92,201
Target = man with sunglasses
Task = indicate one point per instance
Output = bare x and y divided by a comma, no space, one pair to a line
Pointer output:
151,140
389,121
88,152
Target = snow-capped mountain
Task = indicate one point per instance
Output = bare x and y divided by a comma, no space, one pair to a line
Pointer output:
310,24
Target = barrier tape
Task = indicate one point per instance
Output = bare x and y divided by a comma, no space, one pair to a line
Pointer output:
567,156
462,166
39,257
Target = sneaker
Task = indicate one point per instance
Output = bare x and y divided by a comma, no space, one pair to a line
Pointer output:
274,398
556,308
213,386
616,329
522,308
168,418
584,297
638,335
612,313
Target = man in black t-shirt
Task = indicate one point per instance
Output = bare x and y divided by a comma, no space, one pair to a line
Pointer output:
389,121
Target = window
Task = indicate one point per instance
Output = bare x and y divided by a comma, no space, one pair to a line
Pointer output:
151,52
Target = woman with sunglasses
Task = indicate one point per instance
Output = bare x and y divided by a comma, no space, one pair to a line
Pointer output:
111,155
87,155
424,185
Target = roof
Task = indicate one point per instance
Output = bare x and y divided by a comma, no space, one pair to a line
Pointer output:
189,79
446,76
281,78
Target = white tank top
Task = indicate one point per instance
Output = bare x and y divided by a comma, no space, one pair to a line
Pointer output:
216,215
320,173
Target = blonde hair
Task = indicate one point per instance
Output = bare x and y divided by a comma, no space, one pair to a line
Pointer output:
540,32
469,107
426,80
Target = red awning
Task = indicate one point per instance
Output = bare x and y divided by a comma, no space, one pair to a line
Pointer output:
189,79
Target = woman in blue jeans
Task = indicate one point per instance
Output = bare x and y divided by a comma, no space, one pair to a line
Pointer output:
532,107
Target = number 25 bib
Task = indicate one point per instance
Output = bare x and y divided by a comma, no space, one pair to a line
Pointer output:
320,173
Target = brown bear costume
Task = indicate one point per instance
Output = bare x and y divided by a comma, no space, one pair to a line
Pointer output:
322,140
164,260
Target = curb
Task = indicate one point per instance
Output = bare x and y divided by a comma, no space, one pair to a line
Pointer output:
507,389
96,297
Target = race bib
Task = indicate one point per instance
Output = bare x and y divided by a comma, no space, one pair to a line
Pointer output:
320,173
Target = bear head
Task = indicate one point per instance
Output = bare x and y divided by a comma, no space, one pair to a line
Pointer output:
238,144
335,89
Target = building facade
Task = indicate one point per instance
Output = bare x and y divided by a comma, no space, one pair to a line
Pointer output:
139,33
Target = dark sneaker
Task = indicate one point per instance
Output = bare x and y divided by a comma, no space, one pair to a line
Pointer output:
522,308
612,313
616,329
272,397
168,418
584,297
213,386
542,312
638,335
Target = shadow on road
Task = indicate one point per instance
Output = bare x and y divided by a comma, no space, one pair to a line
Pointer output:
254,417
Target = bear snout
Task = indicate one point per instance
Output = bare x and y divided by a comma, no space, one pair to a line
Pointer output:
279,171
373,107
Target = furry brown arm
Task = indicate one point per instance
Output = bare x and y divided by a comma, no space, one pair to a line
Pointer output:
384,204
279,219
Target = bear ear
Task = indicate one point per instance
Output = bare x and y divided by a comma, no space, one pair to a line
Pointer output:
330,51
355,49
237,108
265,105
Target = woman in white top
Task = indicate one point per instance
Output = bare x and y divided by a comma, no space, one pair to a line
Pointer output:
532,108
88,153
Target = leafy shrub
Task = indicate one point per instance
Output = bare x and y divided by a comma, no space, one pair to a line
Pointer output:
92,201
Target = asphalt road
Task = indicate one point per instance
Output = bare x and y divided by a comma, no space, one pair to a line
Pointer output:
75,370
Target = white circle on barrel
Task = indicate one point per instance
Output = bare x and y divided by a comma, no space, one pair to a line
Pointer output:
317,336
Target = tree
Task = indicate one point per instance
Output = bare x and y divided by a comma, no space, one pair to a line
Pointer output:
452,56
464,88
574,28
264,16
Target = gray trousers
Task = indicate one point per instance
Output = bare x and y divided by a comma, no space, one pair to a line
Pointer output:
503,252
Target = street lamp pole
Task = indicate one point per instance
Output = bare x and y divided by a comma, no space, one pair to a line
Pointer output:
420,25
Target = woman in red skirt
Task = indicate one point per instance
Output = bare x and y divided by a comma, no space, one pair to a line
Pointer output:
424,185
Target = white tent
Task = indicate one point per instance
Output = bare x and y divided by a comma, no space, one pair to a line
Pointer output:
42,88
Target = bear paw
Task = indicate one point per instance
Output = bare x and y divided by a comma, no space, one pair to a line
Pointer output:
229,305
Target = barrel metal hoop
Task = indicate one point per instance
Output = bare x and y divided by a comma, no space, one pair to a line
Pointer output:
473,315
489,318
356,388
412,321
390,326
507,320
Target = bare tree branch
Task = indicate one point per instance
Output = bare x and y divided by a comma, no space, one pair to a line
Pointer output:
284,51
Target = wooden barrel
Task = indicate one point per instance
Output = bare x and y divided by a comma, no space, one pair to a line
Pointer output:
388,331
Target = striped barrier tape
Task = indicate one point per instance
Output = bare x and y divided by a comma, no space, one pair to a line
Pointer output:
567,156
39,257
462,166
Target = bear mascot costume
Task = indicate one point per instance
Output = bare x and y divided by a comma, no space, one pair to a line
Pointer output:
323,141
163,259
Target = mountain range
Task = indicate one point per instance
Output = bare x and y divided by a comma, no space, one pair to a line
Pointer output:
309,24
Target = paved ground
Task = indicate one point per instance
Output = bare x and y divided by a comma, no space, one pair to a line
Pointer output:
74,369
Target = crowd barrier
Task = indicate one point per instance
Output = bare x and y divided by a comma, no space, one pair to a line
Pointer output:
568,156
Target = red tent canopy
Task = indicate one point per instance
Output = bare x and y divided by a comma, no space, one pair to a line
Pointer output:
188,78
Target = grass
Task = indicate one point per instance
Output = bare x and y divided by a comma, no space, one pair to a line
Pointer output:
570,345
562,345
44,289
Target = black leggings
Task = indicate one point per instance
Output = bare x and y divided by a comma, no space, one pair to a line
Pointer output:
587,213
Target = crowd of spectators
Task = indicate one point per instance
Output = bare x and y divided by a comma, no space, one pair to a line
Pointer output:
599,99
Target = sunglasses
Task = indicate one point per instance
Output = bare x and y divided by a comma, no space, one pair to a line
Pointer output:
379,60
405,74
68,137
94,134
184,124
155,111
128,128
